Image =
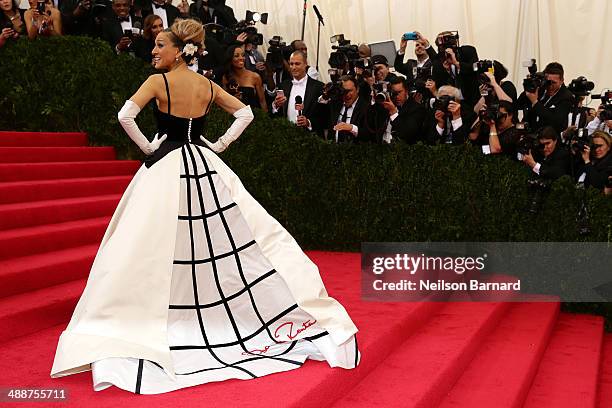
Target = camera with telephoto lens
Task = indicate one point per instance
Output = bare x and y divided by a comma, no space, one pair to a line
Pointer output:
334,91
581,86
606,101
482,66
577,139
535,80
253,37
365,64
382,91
442,102
528,140
343,53
448,40
275,57
489,113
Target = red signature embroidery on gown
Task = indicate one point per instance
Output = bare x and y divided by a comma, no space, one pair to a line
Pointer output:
289,327
256,351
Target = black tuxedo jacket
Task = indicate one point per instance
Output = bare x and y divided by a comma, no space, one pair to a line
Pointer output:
466,79
222,14
408,125
112,31
359,118
554,113
408,67
314,89
172,13
557,164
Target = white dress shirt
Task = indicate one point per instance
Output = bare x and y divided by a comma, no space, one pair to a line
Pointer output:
126,25
298,88
161,12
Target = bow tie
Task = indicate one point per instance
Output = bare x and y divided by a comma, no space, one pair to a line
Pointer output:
157,6
123,19
297,81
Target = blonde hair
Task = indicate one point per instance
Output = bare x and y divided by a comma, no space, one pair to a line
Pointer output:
187,31
604,136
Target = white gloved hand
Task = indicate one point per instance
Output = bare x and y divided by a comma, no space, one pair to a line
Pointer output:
243,117
126,117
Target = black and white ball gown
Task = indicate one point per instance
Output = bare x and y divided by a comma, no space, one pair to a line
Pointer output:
195,282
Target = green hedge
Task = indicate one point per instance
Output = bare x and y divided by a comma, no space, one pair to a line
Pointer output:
328,196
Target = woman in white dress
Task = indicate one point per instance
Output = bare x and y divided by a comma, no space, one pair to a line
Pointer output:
194,281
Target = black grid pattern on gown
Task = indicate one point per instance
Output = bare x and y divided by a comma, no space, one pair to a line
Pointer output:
189,153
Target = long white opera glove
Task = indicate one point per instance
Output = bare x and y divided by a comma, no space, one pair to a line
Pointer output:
126,117
243,117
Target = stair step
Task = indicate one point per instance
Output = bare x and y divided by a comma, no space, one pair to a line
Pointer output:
56,211
55,154
567,374
30,312
39,139
29,273
65,170
51,237
604,390
37,190
428,363
505,364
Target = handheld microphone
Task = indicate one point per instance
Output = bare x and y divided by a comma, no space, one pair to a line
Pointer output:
298,101
316,10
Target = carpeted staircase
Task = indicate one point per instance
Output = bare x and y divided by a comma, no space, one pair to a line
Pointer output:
56,198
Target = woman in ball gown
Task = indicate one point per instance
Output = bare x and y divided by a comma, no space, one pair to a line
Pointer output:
194,281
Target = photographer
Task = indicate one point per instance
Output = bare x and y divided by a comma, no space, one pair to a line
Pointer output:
11,21
347,114
596,162
551,105
406,116
118,28
213,11
453,64
413,67
42,19
503,90
553,161
79,16
300,88
602,121
381,69
448,121
503,135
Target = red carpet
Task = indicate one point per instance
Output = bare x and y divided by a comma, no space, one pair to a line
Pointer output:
53,212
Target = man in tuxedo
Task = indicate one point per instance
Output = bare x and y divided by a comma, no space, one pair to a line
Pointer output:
553,161
450,124
413,68
348,117
121,20
166,11
381,69
406,116
551,105
453,65
286,103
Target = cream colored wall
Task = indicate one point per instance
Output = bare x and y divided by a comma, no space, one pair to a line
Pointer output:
573,32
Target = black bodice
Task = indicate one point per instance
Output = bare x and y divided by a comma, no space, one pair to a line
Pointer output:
179,130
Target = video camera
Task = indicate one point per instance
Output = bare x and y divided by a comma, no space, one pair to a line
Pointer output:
535,80
448,40
606,101
581,86
442,102
343,53
528,140
277,53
